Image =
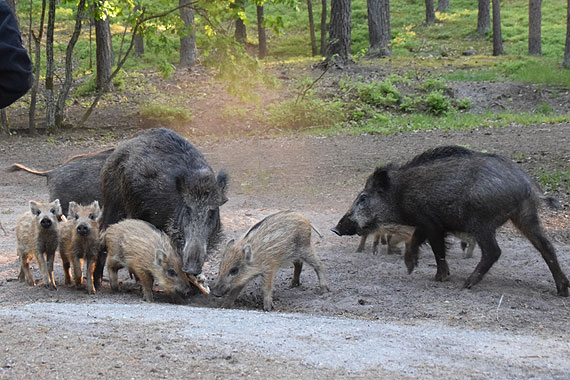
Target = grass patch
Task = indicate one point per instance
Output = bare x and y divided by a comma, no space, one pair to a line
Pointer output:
157,113
310,112
557,180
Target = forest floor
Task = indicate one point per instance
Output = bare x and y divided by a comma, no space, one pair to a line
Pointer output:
377,320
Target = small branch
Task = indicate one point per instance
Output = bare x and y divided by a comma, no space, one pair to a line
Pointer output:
301,96
498,306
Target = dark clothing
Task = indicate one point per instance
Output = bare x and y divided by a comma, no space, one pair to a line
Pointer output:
15,65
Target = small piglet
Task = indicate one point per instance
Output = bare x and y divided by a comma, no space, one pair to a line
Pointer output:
37,234
277,241
79,243
147,253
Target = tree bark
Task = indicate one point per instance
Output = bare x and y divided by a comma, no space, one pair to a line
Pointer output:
68,80
4,127
534,27
484,17
379,28
442,5
497,35
339,33
50,65
188,51
323,27
104,57
430,12
34,90
139,42
566,61
312,28
261,33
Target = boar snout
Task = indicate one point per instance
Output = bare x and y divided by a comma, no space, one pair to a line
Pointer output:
193,258
46,223
346,226
83,230
336,231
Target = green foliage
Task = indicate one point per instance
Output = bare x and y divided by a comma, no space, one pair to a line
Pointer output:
309,112
160,113
437,103
432,84
544,109
556,180
382,93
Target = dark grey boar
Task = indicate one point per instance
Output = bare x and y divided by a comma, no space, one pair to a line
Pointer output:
79,243
159,177
453,189
277,241
37,233
77,179
147,253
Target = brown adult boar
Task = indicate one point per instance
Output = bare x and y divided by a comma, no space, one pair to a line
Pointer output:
277,241
37,234
147,253
79,243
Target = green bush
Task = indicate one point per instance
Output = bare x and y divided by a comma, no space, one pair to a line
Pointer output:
437,103
379,93
164,114
305,113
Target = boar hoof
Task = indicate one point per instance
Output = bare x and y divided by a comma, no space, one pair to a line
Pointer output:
295,283
441,277
50,286
562,291
323,289
268,305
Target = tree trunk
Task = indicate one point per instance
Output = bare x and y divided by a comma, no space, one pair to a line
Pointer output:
34,91
188,52
484,17
534,27
241,31
261,33
4,127
430,12
497,36
104,57
139,42
339,34
323,27
50,104
64,91
379,28
566,62
442,5
312,28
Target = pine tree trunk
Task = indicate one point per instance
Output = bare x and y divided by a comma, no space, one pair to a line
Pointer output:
241,31
104,57
566,62
35,86
261,33
442,5
484,17
430,12
4,127
66,86
312,28
379,28
497,35
188,52
50,66
323,27
139,42
534,27
339,33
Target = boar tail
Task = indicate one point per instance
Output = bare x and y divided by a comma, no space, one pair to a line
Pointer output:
551,202
18,167
317,231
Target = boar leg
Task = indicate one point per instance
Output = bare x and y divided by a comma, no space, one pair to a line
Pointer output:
89,273
66,266
268,278
146,283
78,271
362,244
437,243
468,246
412,251
375,244
50,260
232,296
529,225
25,271
490,252
112,269
296,281
44,270
319,268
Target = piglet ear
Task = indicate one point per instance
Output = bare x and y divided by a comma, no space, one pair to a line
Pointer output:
72,210
247,253
34,208
57,207
159,257
222,181
230,243
379,180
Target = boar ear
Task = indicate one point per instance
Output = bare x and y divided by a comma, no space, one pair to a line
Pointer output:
379,180
222,181
230,243
247,253
98,209
159,257
34,207
72,211
57,207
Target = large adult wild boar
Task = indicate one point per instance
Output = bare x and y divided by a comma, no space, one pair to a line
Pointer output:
160,177
453,189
